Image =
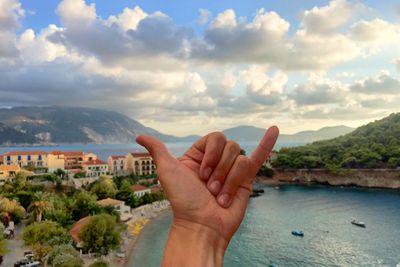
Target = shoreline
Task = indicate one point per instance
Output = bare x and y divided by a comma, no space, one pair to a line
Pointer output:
362,178
135,227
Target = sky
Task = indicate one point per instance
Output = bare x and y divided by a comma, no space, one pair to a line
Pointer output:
191,67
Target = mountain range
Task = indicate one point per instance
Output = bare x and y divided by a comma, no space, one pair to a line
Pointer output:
251,133
56,124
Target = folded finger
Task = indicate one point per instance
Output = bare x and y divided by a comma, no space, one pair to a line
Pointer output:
236,177
217,178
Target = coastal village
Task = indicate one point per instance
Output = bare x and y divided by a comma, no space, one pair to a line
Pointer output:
54,205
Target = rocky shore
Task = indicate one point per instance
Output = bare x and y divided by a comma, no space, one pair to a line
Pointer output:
371,178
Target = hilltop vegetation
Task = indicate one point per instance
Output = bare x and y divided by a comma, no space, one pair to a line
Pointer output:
375,145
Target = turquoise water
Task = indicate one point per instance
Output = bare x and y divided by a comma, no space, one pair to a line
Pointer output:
323,213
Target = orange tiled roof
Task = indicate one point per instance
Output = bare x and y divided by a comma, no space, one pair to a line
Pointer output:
138,187
140,154
68,153
117,157
25,153
94,162
77,227
10,168
109,202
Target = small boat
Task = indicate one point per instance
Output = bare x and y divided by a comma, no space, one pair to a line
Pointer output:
258,191
358,223
297,233
277,187
254,194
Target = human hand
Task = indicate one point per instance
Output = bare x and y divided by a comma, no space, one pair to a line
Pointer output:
202,223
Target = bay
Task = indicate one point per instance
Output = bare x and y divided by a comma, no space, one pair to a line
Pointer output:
106,150
323,213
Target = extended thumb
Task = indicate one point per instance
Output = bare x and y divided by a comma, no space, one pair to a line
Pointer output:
156,148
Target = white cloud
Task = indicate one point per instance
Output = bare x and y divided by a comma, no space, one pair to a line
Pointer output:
37,48
319,91
10,13
76,13
397,63
377,32
241,70
204,16
381,83
264,89
145,41
129,19
328,19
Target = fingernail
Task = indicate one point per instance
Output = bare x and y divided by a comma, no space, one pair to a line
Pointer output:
224,200
215,186
206,173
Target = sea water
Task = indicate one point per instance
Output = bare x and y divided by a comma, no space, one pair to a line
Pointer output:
322,213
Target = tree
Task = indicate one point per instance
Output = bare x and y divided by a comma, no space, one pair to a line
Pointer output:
19,182
25,198
45,232
11,209
265,171
84,205
40,204
3,243
242,152
147,198
119,180
99,263
104,187
43,236
64,256
100,235
61,173
126,194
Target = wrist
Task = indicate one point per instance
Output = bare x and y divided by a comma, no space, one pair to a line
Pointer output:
193,244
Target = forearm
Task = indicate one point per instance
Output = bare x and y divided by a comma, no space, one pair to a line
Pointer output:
192,245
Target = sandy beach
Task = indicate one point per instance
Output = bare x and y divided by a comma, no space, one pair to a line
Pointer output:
141,217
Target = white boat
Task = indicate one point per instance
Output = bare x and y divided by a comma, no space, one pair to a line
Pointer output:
358,223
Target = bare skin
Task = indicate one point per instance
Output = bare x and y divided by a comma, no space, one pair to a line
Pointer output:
205,217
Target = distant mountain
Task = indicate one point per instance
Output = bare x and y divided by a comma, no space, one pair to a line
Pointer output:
375,145
29,125
250,133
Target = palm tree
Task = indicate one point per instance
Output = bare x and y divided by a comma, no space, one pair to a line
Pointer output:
40,204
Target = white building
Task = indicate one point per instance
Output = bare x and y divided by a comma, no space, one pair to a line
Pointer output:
140,190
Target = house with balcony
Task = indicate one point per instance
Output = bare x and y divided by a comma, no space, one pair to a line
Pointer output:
73,160
95,168
116,165
140,164
32,159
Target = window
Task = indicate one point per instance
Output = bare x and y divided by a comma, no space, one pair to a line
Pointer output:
39,157
29,157
8,158
19,157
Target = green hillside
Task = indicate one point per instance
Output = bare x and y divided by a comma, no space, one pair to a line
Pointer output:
375,145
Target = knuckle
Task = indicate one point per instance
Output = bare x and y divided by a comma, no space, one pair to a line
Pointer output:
218,136
243,163
233,147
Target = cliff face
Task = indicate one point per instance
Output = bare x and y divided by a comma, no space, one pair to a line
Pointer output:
374,178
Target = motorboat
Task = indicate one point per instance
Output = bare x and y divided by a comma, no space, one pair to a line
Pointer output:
297,233
358,223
